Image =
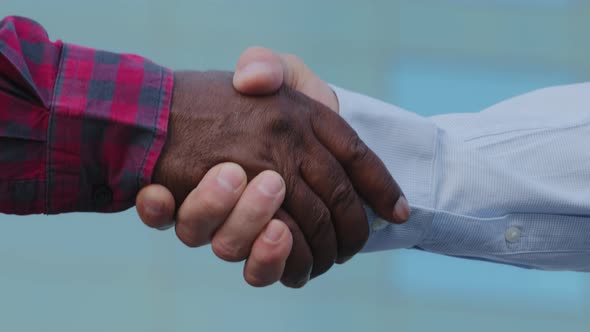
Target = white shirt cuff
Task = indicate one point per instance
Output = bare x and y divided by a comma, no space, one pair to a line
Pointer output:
406,143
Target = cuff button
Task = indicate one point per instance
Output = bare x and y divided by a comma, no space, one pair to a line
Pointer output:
512,234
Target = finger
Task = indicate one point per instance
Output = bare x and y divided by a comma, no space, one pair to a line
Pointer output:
367,172
259,71
155,206
297,271
329,181
269,254
208,205
314,219
259,202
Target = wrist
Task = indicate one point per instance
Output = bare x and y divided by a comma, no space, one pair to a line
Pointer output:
181,91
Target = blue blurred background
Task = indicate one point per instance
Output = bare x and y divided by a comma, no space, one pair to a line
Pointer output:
91,272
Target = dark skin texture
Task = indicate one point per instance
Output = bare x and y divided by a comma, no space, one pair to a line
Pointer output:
326,166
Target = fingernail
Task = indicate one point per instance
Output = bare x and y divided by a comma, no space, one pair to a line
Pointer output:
253,69
273,231
270,184
401,211
230,177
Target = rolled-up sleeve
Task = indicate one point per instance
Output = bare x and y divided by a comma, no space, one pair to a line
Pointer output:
81,129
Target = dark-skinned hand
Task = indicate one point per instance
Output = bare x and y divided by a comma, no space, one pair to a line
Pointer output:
322,160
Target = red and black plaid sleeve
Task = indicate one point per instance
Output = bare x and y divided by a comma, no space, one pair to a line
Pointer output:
80,129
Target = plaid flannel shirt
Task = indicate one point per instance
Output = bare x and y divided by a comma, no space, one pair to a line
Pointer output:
80,129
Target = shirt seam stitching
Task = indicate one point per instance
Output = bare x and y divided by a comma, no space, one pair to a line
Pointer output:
155,132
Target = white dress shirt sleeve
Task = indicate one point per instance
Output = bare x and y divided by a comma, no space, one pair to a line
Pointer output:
510,184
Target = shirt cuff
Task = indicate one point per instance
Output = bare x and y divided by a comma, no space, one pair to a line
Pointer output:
406,143
106,130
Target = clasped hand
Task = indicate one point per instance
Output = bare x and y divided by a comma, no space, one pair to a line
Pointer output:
277,179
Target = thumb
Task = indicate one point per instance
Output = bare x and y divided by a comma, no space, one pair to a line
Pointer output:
262,71
259,72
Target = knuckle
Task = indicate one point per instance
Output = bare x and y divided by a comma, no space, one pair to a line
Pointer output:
228,250
343,194
212,206
322,227
357,149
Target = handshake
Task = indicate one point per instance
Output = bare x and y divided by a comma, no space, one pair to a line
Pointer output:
260,165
